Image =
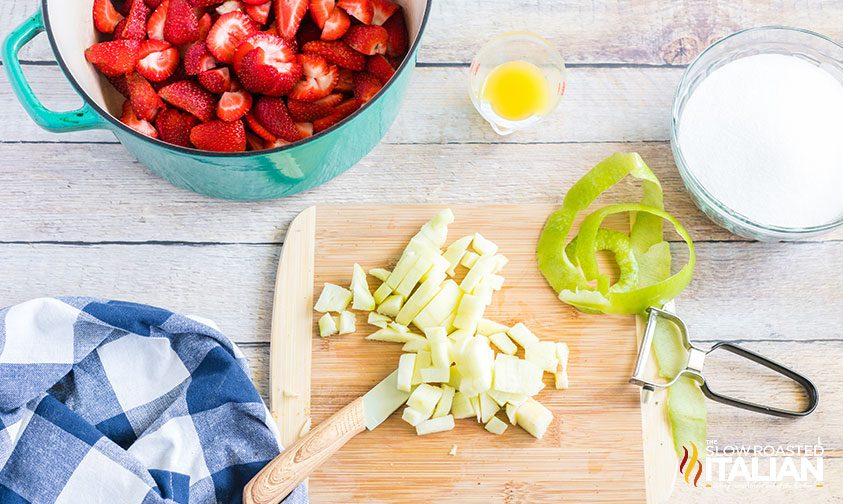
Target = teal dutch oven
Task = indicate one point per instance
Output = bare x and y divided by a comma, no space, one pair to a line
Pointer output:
249,175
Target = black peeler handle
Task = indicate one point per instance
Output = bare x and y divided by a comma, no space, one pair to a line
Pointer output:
806,384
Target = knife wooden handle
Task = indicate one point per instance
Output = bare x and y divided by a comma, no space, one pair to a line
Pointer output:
294,465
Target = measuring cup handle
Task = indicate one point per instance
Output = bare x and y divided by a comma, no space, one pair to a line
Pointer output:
806,384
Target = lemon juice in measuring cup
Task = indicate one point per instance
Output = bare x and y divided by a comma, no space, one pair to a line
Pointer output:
516,80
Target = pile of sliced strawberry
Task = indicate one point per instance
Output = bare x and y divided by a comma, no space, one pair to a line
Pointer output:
235,75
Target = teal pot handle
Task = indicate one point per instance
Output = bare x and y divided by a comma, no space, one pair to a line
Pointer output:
80,119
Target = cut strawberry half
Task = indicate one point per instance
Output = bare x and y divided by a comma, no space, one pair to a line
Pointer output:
360,9
318,78
120,85
145,101
382,10
398,40
305,129
106,16
367,39
273,79
259,12
380,67
205,23
133,27
341,111
219,136
140,125
198,59
155,25
366,86
174,126
303,111
276,50
190,97
272,115
320,11
288,16
227,33
234,104
158,60
217,80
182,24
332,100
336,25
345,81
117,57
258,128
338,53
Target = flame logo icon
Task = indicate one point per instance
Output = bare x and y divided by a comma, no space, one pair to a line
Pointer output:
691,462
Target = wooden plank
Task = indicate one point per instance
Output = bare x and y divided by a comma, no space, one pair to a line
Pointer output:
643,32
93,193
600,105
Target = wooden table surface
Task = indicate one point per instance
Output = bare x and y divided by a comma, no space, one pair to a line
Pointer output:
79,216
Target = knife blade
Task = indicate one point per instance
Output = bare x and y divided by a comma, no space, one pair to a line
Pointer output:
384,398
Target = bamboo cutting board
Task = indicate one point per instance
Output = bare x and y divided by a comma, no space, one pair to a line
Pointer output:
594,451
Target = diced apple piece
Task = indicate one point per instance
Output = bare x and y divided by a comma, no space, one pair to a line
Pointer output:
414,275
493,281
395,326
511,410
443,407
380,273
413,417
521,335
391,306
440,307
390,335
503,398
453,451
439,346
435,425
475,365
424,398
500,262
438,270
496,426
416,303
348,323
333,298
488,407
378,320
415,346
469,313
435,231
435,375
488,327
469,259
533,417
483,246
484,293
484,266
381,293
517,376
561,374
461,407
454,253
475,405
422,361
454,377
448,323
504,344
406,365
361,295
327,326
543,355
459,338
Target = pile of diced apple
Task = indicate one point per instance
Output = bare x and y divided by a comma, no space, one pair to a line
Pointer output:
459,364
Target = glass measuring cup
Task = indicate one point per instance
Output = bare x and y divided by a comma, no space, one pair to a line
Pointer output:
519,46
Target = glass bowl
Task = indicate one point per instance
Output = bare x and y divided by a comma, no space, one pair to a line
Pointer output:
807,45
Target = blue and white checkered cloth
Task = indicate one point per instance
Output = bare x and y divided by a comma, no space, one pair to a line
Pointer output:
119,403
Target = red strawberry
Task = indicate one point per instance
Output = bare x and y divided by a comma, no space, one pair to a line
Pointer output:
308,111
398,40
259,13
367,39
205,26
152,4
234,104
198,59
258,128
120,85
318,80
219,136
145,101
140,125
174,126
361,9
178,75
254,2
307,31
380,68
230,6
272,114
345,80
366,86
276,49
273,79
217,80
383,10
227,33
341,111
190,97
288,16
320,11
336,25
305,129
134,26
106,16
155,25
182,24
114,58
158,60
338,53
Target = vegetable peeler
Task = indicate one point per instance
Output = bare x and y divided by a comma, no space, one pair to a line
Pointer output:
694,369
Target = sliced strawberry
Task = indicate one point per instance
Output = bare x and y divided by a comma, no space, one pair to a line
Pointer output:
157,60
398,40
227,33
305,129
155,25
336,25
205,23
134,26
320,11
278,142
119,84
182,24
361,9
276,50
366,86
272,114
367,39
219,136
145,101
270,79
106,16
234,104
383,10
258,128
174,126
338,53
380,67
117,57
303,111
230,6
341,111
259,13
288,16
140,125
190,97
318,78
198,59
178,75
332,100
217,80
307,31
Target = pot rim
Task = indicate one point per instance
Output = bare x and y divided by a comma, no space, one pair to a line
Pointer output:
191,151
